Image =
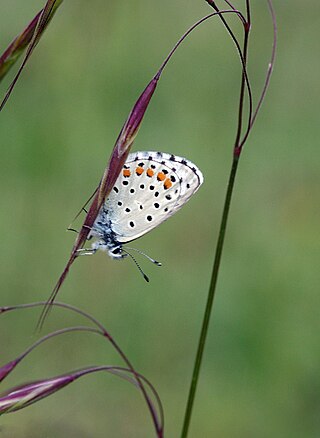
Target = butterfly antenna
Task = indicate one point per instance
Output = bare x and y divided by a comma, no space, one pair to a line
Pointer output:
137,264
145,255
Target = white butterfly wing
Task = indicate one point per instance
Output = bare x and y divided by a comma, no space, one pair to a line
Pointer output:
151,187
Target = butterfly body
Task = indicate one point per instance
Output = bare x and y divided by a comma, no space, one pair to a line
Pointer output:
151,187
102,229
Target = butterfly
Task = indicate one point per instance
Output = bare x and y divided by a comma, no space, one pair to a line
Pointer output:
151,187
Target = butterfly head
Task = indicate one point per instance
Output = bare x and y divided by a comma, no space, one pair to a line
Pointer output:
116,252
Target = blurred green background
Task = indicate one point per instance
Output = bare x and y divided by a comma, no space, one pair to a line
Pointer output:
260,375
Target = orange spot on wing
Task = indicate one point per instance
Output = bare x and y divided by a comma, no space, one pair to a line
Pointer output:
126,173
150,172
167,184
161,176
139,170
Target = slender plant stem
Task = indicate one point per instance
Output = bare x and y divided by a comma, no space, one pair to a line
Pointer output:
236,157
246,27
222,232
207,314
243,84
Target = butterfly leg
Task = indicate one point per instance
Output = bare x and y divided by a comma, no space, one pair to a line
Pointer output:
76,231
86,251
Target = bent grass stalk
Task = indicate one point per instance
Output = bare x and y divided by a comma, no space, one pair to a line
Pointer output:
6,369
24,395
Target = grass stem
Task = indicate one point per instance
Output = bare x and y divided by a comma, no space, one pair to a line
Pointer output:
211,294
